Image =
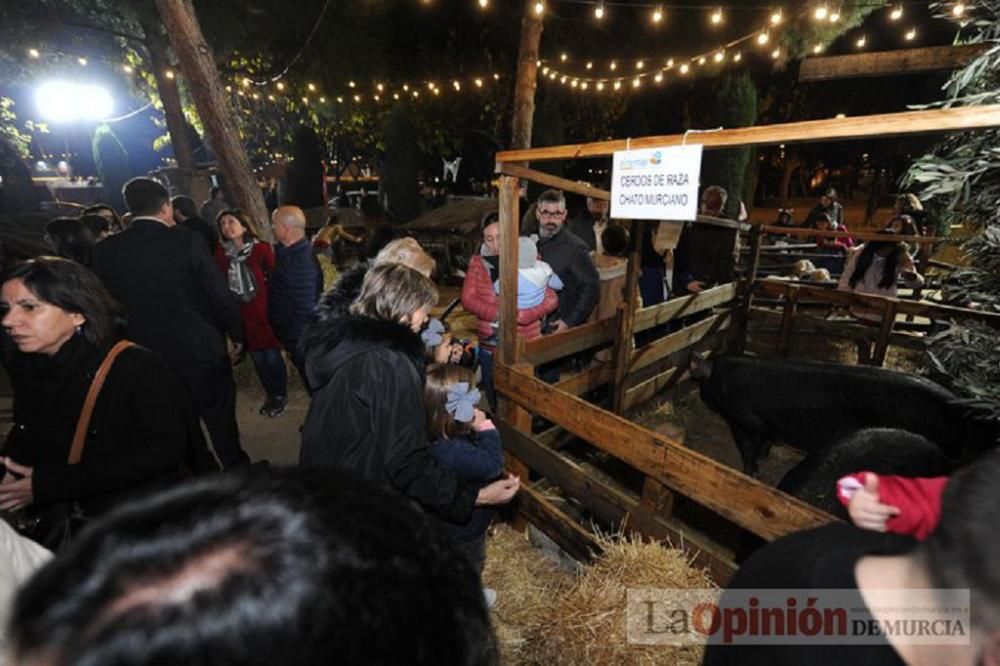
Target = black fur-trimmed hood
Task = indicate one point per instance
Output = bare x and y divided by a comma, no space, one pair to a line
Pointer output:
337,339
333,305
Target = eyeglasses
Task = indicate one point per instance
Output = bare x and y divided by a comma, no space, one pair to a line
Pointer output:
551,213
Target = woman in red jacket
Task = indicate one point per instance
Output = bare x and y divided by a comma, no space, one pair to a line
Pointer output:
247,264
479,298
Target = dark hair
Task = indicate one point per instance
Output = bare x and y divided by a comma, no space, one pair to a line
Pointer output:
185,206
98,224
251,232
552,196
144,196
70,238
714,199
491,217
890,270
440,378
823,217
785,218
615,240
303,567
73,288
116,224
907,227
962,552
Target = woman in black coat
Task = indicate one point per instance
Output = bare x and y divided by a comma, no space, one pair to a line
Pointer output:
367,413
62,323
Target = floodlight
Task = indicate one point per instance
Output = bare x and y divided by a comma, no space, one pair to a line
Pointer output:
63,102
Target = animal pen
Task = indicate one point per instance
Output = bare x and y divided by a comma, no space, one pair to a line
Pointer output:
632,376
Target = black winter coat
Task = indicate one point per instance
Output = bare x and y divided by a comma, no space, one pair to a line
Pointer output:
367,414
177,299
139,430
570,258
333,305
293,291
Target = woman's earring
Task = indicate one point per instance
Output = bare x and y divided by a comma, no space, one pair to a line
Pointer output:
79,329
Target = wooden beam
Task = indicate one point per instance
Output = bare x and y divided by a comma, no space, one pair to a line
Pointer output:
612,504
806,324
833,129
765,511
510,223
579,338
683,306
876,303
553,181
587,380
685,337
626,317
557,525
889,63
787,320
857,235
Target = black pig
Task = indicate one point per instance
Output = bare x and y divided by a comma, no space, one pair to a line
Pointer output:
811,405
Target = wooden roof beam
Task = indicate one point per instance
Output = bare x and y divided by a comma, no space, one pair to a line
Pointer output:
889,63
833,129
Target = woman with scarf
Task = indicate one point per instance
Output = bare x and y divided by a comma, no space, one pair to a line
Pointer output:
479,298
248,263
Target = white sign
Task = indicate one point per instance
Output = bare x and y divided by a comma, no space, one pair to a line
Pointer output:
656,183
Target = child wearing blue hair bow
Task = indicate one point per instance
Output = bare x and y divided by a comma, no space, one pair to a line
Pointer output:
465,440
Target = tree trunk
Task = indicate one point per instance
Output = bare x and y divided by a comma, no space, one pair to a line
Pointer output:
156,45
527,77
206,88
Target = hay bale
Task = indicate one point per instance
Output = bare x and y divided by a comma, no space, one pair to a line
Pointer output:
546,616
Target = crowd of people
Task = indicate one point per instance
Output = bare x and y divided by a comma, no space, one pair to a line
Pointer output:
120,350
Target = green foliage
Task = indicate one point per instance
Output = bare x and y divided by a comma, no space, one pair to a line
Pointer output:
960,178
402,163
735,106
112,164
21,141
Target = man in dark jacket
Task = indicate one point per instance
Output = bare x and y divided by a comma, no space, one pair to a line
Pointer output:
592,223
178,306
186,217
296,284
570,258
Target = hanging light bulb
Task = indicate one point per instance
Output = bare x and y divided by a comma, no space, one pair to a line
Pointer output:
862,41
763,38
719,56
34,53
958,9
380,87
658,77
640,64
776,17
897,13
600,86
618,85
818,48
574,83
483,4
322,100
127,69
311,86
564,57
685,68
539,8
457,86
670,62
821,13
737,57
340,100
82,61
583,86
351,84
911,35
613,66
479,83
552,75
599,11
701,60
835,16
590,65
563,79
717,16
776,53
545,71
406,87
657,14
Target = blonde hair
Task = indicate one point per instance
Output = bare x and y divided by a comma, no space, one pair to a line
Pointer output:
394,292
408,252
440,378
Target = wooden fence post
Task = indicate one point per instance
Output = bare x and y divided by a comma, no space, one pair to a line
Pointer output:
626,317
756,238
787,320
884,333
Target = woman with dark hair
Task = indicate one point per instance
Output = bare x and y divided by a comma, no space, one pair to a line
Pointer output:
64,328
115,222
98,225
248,264
367,414
70,238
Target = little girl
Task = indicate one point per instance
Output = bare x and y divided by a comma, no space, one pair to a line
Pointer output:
463,439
